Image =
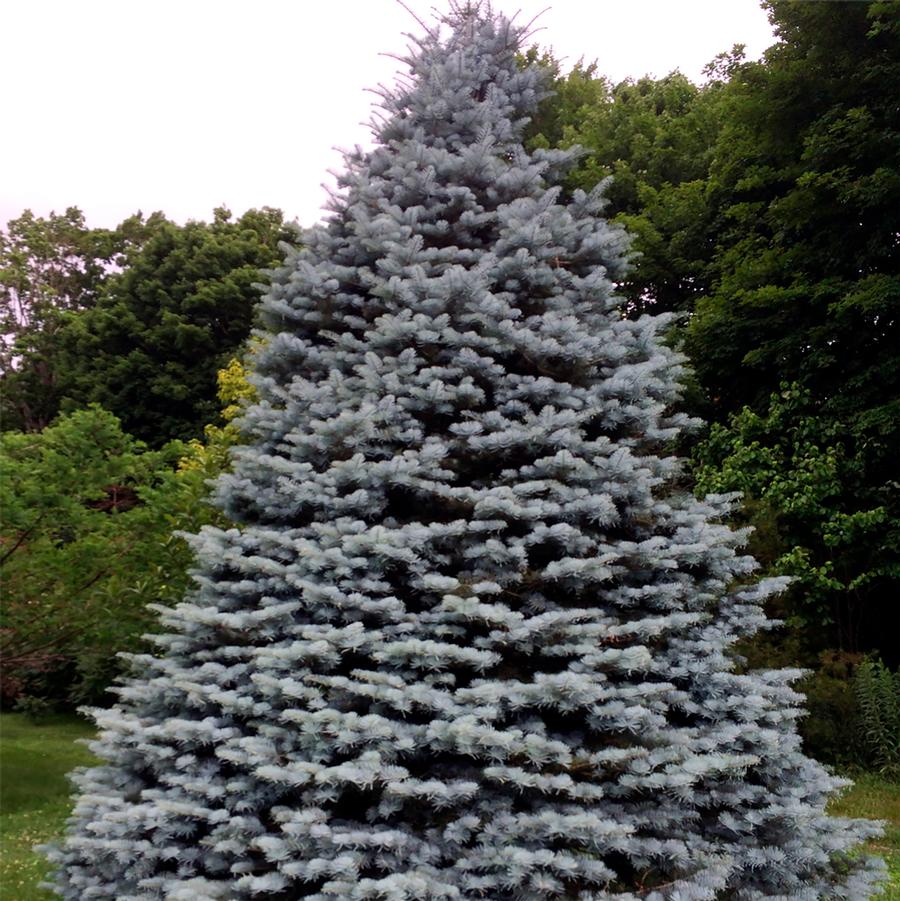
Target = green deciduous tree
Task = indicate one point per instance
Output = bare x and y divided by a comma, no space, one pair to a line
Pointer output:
151,346
49,268
84,548
90,536
806,174
766,203
655,137
819,524
775,228
807,290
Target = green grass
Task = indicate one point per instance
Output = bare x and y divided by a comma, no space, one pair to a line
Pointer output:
874,798
35,801
34,794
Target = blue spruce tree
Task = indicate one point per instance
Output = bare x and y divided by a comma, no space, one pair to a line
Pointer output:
470,637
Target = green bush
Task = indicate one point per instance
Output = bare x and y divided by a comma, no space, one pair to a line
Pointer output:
85,543
90,537
798,475
831,725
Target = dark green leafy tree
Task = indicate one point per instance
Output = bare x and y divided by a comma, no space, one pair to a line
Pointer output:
806,173
778,230
655,137
807,290
49,268
151,346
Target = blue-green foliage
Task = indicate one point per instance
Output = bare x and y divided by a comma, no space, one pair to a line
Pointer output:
469,637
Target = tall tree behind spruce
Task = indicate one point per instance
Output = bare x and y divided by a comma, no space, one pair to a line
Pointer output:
468,639
150,348
806,291
655,137
765,201
806,169
50,267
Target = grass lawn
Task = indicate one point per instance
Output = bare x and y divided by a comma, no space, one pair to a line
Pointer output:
874,798
34,801
34,794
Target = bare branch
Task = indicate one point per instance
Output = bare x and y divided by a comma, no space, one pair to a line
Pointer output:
432,33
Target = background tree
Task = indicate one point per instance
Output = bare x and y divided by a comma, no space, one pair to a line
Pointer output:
83,551
48,268
91,535
765,204
469,637
655,137
807,287
793,464
150,348
806,173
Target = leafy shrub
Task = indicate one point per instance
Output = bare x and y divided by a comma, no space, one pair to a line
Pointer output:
830,727
84,548
89,538
794,469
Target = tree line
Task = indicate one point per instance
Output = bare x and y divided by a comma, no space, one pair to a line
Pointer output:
765,209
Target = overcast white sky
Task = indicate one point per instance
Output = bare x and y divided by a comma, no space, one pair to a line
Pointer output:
183,105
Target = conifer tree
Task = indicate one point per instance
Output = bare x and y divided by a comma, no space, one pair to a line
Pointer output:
469,638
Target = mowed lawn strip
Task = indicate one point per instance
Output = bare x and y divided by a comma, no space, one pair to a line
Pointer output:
35,795
35,799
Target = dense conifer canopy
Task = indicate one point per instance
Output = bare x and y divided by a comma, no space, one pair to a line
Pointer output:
469,638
